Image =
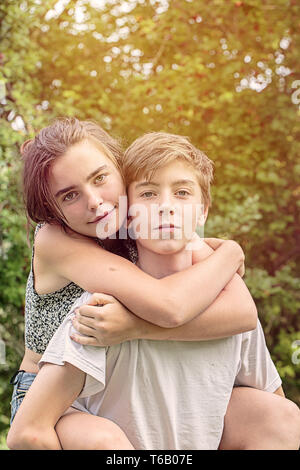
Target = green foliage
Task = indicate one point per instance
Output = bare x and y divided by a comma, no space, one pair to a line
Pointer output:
220,72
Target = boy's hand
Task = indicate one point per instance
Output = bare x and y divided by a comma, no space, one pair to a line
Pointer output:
105,321
215,243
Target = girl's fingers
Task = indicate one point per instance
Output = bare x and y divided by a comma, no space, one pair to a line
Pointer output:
84,340
84,325
101,299
91,311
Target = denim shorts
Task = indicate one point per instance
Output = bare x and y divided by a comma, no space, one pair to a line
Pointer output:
21,381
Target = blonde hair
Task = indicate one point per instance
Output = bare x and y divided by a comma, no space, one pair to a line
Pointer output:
156,149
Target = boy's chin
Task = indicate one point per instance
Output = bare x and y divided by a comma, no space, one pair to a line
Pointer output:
163,247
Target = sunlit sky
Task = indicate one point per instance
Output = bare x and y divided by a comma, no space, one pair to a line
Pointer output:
254,81
257,82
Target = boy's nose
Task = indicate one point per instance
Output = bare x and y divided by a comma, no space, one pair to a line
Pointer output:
166,209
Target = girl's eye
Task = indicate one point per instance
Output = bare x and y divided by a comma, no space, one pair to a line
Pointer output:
147,194
70,196
100,178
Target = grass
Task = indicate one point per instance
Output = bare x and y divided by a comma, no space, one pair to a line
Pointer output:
3,445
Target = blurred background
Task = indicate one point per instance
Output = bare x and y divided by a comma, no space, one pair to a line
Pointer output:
224,73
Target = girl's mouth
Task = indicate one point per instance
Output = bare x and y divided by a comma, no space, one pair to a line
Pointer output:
101,217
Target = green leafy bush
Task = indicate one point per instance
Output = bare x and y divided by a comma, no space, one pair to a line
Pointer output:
221,73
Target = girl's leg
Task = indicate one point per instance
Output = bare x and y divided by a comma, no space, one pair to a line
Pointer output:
82,431
257,420
53,391
50,395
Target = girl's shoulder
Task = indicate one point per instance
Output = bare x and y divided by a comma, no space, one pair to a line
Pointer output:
51,241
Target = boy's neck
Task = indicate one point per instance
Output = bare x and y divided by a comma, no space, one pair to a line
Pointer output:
158,265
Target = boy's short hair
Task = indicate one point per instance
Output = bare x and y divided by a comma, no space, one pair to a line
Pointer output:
154,150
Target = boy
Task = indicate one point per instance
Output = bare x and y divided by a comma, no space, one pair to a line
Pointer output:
177,392
167,395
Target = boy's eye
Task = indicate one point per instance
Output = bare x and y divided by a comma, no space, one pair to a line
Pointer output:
182,192
147,194
70,196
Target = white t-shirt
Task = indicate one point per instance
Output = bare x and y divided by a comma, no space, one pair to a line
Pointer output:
165,394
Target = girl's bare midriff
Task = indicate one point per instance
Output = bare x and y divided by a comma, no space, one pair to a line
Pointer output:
30,361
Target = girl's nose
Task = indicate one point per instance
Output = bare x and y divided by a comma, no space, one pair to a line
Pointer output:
94,200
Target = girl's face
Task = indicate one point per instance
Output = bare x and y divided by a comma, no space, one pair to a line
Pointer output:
88,189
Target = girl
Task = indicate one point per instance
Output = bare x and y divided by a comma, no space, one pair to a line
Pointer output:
73,185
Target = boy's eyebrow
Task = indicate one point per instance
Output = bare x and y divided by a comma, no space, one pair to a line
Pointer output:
145,183
174,183
90,176
184,181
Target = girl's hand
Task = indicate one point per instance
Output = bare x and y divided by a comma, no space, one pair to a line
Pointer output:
105,321
209,245
215,243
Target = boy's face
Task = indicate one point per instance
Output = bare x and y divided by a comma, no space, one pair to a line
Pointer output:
165,211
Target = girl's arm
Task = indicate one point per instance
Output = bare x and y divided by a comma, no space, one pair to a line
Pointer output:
232,312
167,302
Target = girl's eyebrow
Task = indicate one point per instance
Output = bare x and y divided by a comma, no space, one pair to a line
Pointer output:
65,190
90,176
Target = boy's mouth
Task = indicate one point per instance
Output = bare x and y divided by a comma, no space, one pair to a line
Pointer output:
167,227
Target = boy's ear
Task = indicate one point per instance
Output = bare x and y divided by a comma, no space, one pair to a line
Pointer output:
128,220
203,217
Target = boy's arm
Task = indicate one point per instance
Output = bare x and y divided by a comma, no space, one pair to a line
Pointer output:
257,369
